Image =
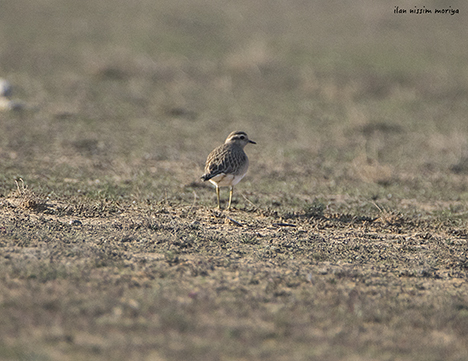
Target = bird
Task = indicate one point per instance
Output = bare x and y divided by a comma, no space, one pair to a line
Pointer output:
227,164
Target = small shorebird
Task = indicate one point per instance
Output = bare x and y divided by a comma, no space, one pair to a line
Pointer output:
227,164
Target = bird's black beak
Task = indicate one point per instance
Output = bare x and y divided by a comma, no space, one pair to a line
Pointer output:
251,141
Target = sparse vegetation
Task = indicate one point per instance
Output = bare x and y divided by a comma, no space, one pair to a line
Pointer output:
349,234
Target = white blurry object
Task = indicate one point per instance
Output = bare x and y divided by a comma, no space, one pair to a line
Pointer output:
5,93
7,104
5,88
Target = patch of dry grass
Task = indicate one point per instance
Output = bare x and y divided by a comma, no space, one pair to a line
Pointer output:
311,283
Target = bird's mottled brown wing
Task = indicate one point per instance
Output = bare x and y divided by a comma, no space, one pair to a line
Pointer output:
223,159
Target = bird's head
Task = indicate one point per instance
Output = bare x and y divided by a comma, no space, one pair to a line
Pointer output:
240,138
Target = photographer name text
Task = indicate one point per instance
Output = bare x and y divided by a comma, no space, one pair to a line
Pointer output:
423,10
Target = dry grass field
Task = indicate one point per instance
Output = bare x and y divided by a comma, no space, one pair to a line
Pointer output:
348,236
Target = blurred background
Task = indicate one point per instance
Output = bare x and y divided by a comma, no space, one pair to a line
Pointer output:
125,99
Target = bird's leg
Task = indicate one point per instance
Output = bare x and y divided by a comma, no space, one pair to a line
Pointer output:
231,190
217,193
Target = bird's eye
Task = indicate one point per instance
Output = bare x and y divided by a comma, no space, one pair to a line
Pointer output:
242,137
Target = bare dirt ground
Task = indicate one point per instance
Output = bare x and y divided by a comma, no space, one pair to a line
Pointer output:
189,282
348,236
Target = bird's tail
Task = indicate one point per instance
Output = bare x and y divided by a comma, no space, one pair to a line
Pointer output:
206,177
